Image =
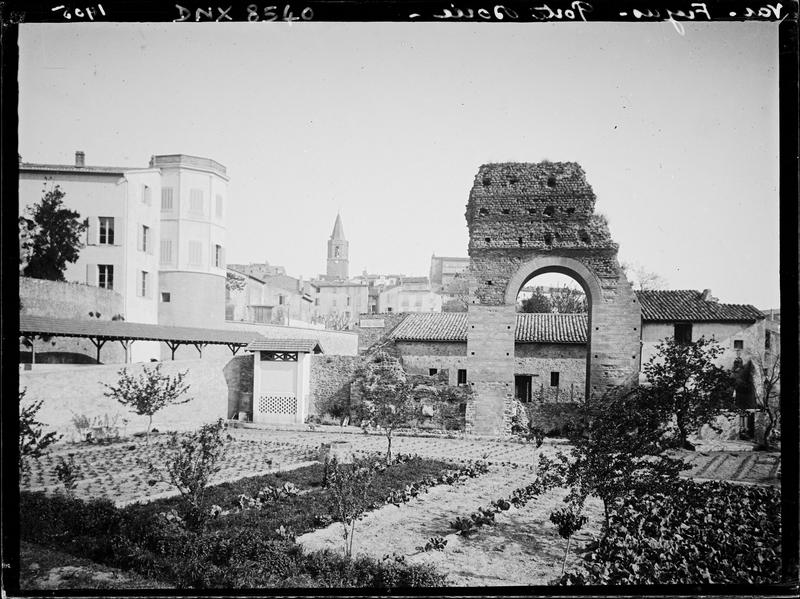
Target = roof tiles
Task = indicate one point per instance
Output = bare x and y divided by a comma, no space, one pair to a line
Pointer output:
689,305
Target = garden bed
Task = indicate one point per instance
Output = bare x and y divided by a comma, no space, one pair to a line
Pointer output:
246,548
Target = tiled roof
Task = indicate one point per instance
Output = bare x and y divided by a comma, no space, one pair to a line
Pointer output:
298,345
120,329
689,305
531,328
71,168
551,328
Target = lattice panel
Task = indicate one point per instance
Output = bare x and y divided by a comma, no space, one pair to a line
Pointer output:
277,404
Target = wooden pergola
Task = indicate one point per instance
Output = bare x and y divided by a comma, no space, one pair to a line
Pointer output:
99,332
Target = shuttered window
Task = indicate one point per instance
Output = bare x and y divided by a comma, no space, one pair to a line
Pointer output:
166,251
106,230
166,199
196,201
195,253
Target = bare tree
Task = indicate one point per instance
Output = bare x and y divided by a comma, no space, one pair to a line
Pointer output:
642,279
767,372
458,292
337,321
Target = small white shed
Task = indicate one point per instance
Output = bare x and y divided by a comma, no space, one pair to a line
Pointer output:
282,379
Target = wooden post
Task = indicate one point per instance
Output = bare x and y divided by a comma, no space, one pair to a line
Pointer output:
172,345
200,347
98,343
126,343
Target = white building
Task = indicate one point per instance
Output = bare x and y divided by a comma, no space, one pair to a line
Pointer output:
155,235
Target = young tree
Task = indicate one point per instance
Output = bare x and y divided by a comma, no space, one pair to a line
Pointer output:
388,395
619,445
536,303
349,485
686,386
33,441
189,462
55,236
569,300
148,393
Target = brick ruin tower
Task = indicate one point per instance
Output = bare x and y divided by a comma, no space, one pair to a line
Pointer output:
526,219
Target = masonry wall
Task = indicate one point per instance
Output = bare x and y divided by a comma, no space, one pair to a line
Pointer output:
382,324
340,343
79,390
56,299
724,333
419,357
541,359
331,376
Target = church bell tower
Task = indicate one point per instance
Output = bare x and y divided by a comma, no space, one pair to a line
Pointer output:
338,263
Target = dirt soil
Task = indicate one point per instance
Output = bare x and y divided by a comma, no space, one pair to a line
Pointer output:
521,548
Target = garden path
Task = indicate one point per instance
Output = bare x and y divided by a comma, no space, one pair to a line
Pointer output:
521,548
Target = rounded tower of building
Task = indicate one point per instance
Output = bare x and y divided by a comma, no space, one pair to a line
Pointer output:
194,195
338,262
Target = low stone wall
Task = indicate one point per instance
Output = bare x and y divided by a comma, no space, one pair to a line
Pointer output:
330,381
552,418
339,343
78,390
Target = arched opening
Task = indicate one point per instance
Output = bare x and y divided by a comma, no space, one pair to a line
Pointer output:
560,338
551,350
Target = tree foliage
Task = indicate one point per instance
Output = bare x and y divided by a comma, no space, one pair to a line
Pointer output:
148,393
33,441
642,279
538,302
619,444
568,300
54,236
686,386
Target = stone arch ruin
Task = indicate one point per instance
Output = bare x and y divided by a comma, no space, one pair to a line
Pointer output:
526,219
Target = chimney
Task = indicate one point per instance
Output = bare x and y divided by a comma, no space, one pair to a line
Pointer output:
707,297
80,158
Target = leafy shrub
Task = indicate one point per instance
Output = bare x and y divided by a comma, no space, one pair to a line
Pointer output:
436,543
189,462
699,533
67,473
33,441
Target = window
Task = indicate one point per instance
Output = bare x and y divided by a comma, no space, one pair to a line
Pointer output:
683,333
195,253
145,245
554,376
767,339
144,284
389,309
146,194
280,300
166,199
432,371
348,300
166,251
219,205
218,261
462,376
105,276
196,201
106,230
738,344
166,297
523,387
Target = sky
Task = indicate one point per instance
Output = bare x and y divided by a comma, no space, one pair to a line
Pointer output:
388,123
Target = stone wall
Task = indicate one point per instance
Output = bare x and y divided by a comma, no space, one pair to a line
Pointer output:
79,390
340,343
373,328
552,418
57,299
330,380
527,219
